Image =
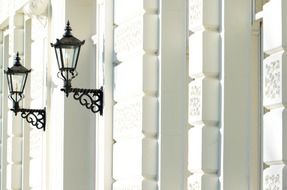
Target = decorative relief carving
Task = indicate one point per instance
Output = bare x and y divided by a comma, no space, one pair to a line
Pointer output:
128,118
128,37
272,182
272,79
35,143
194,186
36,7
195,11
195,100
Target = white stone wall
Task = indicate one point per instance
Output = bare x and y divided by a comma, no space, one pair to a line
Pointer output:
204,94
274,95
136,86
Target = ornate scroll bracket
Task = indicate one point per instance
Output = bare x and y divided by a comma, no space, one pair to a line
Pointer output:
90,98
36,117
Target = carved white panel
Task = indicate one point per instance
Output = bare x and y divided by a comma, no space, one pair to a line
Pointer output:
128,79
149,185
275,136
204,54
274,27
202,182
274,80
204,13
203,149
151,5
150,116
125,10
195,96
151,33
128,119
150,158
132,184
128,38
275,177
36,141
14,176
127,159
150,74
203,101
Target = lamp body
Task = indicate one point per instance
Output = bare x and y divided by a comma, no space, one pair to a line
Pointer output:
16,78
67,50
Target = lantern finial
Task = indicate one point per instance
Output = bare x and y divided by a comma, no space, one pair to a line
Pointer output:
17,59
68,30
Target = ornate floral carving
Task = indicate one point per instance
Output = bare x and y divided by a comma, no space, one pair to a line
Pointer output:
272,182
195,11
194,100
128,37
194,186
272,79
128,118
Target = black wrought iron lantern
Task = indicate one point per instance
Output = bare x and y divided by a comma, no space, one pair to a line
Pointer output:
16,77
67,50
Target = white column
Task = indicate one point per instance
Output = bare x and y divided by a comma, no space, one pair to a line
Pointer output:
5,111
1,103
240,82
71,126
173,90
15,123
104,127
204,94
274,95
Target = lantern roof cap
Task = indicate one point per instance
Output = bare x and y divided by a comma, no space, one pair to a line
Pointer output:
68,39
17,67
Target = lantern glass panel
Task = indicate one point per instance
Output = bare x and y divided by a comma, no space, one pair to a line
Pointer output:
70,54
58,56
18,82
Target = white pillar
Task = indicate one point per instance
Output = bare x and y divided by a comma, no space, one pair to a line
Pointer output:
172,95
5,112
274,95
240,98
204,94
70,125
104,128
15,123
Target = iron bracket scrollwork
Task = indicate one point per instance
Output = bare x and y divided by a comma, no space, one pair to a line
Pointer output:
36,117
90,98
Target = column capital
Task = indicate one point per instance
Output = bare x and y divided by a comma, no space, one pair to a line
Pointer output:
36,7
